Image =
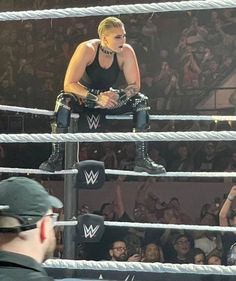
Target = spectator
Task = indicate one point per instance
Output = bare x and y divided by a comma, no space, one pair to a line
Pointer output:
127,162
195,30
109,158
206,240
182,246
149,31
214,258
175,205
152,253
231,257
196,256
227,217
205,162
183,161
27,237
118,252
116,209
83,153
8,92
191,71
231,167
166,239
150,201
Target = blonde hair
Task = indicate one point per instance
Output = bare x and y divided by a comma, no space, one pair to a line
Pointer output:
107,24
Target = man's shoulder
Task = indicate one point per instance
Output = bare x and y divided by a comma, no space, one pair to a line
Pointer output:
14,266
19,273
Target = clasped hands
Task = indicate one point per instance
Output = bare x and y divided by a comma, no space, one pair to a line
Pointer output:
111,98
108,99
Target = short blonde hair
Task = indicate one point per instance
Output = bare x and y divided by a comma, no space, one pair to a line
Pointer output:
107,24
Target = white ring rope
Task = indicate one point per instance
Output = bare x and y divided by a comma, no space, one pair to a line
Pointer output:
118,10
177,117
156,226
172,174
124,116
120,137
123,172
141,267
31,110
36,171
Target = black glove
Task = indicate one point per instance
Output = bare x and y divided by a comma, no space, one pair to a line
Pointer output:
123,98
92,98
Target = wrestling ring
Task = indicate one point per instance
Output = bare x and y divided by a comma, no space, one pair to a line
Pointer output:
125,270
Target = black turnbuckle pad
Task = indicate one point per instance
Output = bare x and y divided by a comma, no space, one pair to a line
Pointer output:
91,174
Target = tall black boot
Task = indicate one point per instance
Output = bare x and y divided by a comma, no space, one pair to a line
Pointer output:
143,163
56,160
60,125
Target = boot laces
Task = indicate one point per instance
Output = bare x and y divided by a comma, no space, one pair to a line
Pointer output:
55,156
149,160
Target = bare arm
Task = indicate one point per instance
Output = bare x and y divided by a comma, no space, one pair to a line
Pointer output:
226,207
76,69
118,201
194,65
141,193
131,71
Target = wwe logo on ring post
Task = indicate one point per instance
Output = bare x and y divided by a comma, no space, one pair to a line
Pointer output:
93,121
90,231
91,177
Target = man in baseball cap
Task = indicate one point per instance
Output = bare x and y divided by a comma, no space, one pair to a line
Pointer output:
27,236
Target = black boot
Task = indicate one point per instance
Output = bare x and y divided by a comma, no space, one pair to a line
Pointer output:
143,163
56,160
59,126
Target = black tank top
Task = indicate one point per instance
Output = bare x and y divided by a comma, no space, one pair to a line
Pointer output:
96,77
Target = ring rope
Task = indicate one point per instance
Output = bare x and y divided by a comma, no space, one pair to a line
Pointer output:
157,226
141,267
37,171
177,117
124,116
118,10
123,172
120,137
32,110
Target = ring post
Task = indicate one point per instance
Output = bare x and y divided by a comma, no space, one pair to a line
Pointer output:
70,195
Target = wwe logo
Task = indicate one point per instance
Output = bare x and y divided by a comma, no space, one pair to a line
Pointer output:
91,177
93,121
90,231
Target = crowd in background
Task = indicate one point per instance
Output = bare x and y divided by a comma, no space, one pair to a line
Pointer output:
199,55
161,245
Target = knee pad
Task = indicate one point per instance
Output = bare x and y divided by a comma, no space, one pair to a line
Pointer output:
62,109
140,113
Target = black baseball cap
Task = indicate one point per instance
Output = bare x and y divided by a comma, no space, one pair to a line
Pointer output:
26,200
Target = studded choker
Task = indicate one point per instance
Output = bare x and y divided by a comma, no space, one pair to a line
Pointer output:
105,51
